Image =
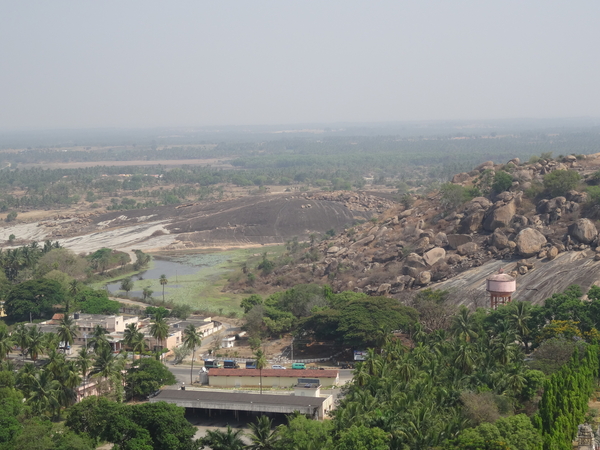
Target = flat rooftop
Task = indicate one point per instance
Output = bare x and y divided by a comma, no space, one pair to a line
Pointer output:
233,401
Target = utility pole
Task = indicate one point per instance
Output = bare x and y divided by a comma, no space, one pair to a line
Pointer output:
292,349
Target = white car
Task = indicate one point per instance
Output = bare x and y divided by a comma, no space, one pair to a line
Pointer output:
277,367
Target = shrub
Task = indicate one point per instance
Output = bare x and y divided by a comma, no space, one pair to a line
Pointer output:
594,178
453,195
560,182
594,194
535,190
502,181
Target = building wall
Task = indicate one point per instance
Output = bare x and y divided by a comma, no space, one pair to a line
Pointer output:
326,407
172,341
128,320
210,328
115,323
254,381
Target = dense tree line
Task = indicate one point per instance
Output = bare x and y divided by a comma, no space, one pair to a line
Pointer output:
315,312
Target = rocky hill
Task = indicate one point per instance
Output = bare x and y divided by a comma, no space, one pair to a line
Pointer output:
546,242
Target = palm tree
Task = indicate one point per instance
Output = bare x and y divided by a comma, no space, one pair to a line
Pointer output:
163,282
463,325
159,330
99,337
21,337
139,343
192,339
6,342
261,363
223,440
519,316
45,393
47,246
107,365
68,377
263,436
13,263
51,342
84,362
465,358
35,344
129,334
67,331
25,378
74,289
55,361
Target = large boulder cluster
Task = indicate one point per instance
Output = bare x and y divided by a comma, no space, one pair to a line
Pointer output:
412,248
354,201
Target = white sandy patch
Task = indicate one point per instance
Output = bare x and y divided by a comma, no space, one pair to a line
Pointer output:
124,238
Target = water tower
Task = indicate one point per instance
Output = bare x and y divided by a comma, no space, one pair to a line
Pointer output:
501,287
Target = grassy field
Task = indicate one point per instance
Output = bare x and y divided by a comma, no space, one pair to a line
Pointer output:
203,289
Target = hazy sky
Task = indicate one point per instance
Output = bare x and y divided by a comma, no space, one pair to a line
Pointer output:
178,63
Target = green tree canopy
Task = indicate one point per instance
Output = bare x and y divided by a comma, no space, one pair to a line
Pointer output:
35,296
96,301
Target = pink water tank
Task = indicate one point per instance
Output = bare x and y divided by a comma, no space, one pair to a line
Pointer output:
502,283
501,287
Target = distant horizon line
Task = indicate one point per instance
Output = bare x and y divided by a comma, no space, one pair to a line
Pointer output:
299,124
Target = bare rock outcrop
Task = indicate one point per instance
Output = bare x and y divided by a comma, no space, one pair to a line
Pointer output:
529,242
460,178
471,223
499,240
583,230
552,253
469,248
364,241
456,240
440,240
500,216
415,261
423,278
434,255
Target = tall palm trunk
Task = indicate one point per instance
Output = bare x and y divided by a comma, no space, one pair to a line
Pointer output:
192,369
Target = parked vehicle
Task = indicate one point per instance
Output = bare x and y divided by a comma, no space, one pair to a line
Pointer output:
277,367
230,364
298,366
211,364
250,364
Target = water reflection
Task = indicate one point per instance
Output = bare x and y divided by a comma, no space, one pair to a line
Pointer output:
172,268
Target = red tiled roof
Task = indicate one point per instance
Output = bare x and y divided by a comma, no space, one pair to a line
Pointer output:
291,373
58,316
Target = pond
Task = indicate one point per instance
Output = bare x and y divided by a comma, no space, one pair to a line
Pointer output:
173,268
